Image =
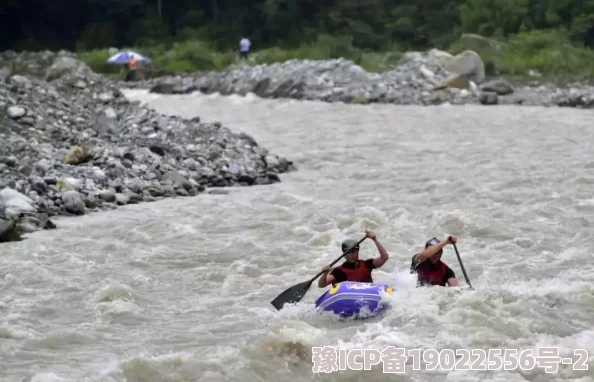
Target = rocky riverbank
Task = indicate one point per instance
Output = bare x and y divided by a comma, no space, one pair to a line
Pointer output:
77,145
423,78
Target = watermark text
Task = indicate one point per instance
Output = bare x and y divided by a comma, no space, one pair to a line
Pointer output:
328,359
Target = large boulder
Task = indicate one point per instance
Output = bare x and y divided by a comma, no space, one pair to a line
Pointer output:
468,64
74,202
441,56
492,52
64,65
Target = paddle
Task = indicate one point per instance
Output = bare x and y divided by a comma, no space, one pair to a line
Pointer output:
296,292
462,266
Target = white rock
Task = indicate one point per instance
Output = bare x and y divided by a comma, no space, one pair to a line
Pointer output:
111,113
16,112
16,203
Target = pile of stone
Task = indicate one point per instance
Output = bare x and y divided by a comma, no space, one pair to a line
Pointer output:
32,63
337,80
77,145
422,78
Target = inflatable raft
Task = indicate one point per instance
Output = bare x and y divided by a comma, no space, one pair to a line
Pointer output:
353,299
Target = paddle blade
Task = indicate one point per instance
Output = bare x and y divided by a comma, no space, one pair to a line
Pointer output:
292,295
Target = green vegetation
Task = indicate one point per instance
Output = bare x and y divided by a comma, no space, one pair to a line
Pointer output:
552,37
194,55
538,53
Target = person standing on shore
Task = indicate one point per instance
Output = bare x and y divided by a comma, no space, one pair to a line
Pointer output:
131,69
244,47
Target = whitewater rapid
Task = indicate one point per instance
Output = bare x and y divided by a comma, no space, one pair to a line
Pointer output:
180,289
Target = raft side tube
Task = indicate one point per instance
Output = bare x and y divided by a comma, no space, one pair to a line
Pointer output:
348,299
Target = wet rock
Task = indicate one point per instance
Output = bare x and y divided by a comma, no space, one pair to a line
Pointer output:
26,228
163,88
178,180
107,195
578,99
499,86
157,150
15,203
8,231
45,222
489,98
73,202
122,200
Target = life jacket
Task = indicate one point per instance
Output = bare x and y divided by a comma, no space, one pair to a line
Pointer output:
360,273
432,275
132,63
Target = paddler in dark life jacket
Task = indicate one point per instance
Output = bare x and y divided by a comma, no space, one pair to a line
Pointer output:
354,269
429,267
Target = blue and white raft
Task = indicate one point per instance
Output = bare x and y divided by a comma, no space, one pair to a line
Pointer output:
354,299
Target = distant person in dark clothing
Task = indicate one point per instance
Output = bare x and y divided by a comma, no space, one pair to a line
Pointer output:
131,66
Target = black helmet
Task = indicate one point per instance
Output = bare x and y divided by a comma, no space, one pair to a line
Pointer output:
431,242
349,243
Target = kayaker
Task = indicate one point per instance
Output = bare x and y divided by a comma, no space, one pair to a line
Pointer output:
354,269
429,267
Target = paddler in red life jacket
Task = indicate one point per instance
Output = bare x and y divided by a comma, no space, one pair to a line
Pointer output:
429,267
354,269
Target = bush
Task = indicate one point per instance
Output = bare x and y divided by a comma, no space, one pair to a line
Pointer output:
378,61
97,61
182,57
324,47
191,56
549,52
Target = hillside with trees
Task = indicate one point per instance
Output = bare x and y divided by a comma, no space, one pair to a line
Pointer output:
553,37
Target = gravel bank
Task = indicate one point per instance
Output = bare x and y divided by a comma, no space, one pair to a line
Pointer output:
77,145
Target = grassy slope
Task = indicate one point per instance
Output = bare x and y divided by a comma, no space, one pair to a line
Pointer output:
545,52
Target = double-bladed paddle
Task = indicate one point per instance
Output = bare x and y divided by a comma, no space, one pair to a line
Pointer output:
297,292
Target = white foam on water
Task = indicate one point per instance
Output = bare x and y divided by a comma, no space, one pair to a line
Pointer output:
180,289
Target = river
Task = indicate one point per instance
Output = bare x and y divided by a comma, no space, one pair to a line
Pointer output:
180,290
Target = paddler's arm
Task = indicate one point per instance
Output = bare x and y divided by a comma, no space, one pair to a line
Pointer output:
428,252
378,262
326,278
450,277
